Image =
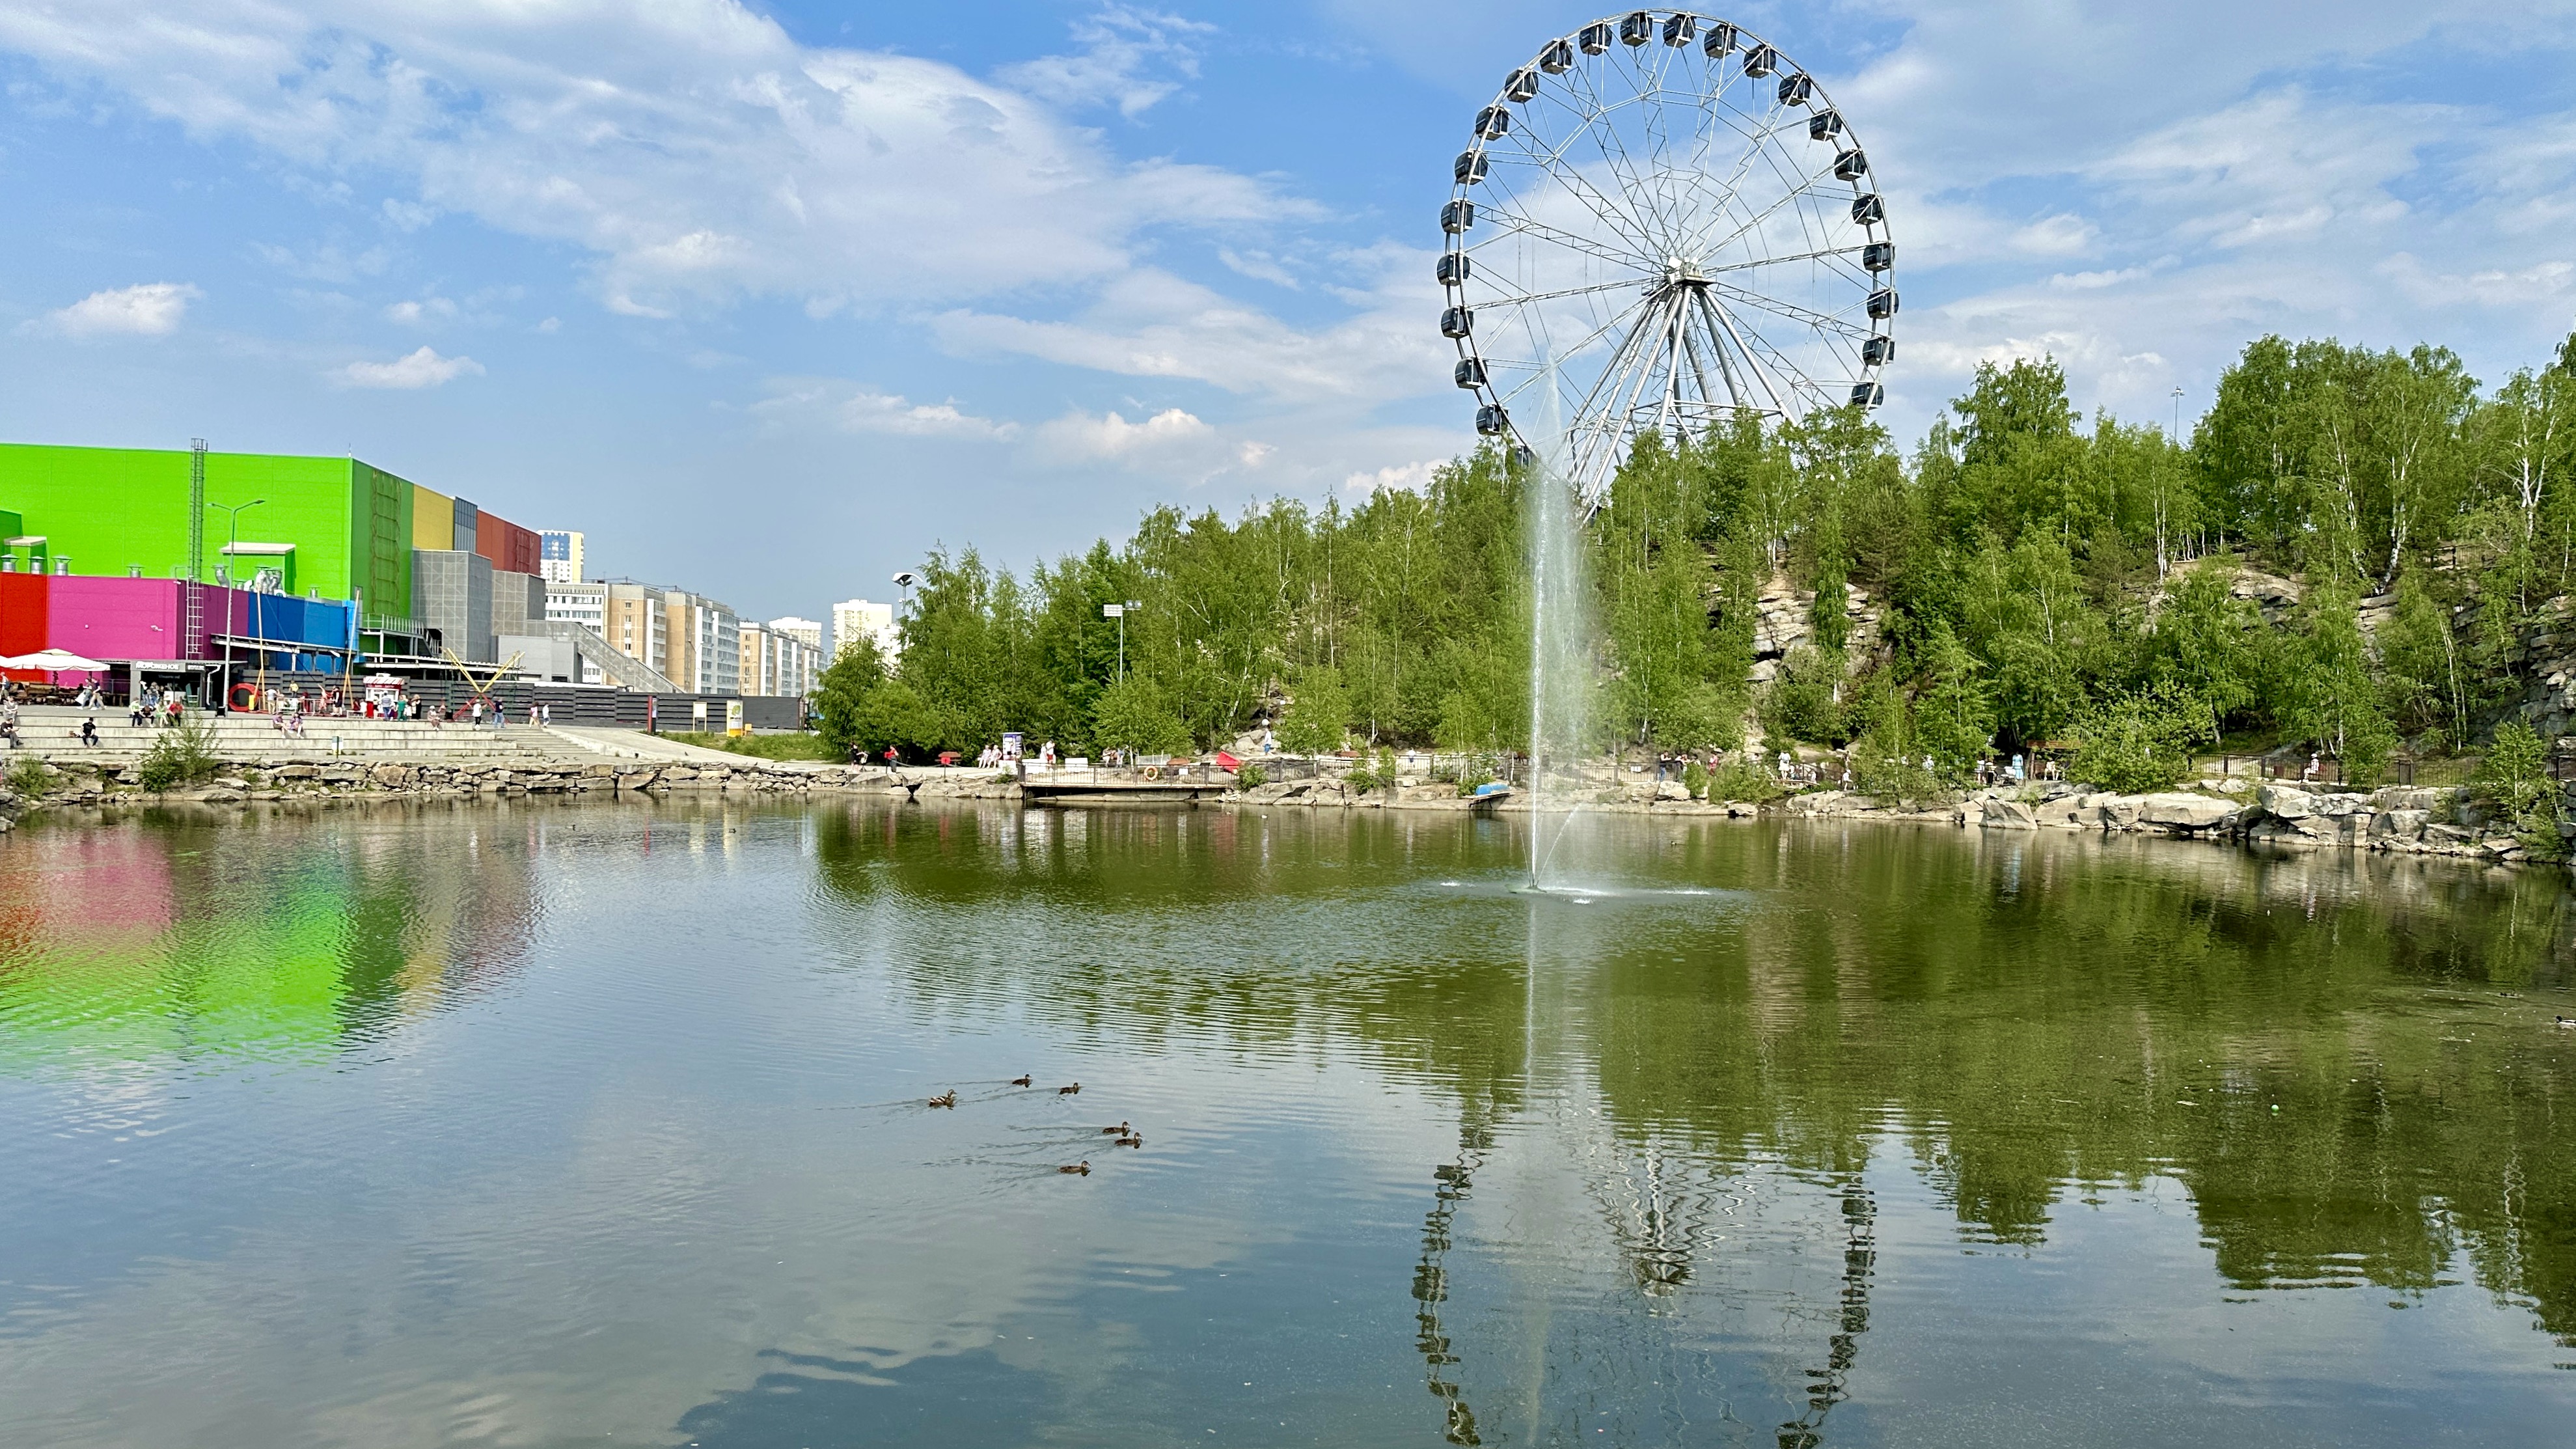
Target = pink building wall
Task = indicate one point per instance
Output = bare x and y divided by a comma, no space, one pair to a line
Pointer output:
112,618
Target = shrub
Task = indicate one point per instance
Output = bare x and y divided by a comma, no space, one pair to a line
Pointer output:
1250,777
2515,776
2137,743
180,756
30,776
1745,778
1695,779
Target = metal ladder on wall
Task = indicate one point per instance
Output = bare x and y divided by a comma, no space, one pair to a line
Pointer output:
192,593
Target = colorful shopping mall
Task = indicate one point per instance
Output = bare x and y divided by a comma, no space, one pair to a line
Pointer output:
189,568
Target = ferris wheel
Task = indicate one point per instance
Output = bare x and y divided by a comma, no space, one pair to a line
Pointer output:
1660,223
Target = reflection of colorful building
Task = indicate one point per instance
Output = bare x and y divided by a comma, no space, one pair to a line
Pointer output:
136,943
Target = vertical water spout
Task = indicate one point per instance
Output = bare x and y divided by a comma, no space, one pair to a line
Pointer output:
1561,650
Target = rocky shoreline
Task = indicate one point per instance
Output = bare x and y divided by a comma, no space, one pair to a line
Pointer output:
2394,819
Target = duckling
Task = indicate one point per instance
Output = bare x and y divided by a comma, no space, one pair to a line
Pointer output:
1021,1081
1079,1169
1068,1091
1121,1130
1132,1139
945,1099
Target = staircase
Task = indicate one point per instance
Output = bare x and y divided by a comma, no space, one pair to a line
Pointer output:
51,733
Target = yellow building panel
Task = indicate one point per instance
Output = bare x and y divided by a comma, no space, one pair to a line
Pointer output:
433,518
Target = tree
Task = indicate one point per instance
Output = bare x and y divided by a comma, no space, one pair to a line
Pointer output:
844,687
1318,713
2141,742
1133,715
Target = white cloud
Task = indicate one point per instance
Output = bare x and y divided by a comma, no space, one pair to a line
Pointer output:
424,310
1120,46
1406,477
854,409
694,148
422,368
151,309
1110,436
1151,323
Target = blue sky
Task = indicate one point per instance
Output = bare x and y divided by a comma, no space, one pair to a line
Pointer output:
768,300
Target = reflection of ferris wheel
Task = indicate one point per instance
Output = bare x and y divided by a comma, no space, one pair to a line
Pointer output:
1661,223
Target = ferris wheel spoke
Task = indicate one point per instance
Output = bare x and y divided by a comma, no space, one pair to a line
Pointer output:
1606,135
1823,254
1791,310
1630,229
1516,224
1753,364
1527,299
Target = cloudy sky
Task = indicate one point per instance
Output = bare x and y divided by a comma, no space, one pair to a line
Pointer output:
770,298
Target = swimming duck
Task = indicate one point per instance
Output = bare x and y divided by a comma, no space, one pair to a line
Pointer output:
1132,1139
1079,1169
1121,1130
2567,1023
945,1099
1021,1081
1068,1091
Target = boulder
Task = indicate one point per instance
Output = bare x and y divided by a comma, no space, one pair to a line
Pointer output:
2009,815
1672,790
2119,812
2399,824
2285,802
2185,812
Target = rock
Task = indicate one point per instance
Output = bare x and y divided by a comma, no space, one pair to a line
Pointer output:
1672,790
2447,834
1741,810
2399,824
2285,802
2119,812
2002,814
2185,812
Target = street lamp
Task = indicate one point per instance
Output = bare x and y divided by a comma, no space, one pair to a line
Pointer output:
905,581
1119,613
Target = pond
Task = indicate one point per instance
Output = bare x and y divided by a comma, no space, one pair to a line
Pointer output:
513,1124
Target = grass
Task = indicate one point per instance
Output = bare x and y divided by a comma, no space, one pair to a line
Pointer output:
802,746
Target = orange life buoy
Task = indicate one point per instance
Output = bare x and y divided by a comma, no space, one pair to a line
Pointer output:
1153,772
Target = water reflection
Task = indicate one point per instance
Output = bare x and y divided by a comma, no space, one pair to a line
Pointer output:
536,1123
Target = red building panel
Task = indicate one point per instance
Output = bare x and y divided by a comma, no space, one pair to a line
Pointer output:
507,545
23,604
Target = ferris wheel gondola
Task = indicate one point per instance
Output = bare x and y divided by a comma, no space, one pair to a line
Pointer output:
1659,224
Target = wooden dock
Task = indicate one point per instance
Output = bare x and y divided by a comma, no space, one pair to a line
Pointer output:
1091,789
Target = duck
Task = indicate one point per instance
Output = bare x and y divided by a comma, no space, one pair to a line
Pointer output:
1121,1130
1022,1081
945,1099
1132,1139
1079,1169
1068,1091
2567,1023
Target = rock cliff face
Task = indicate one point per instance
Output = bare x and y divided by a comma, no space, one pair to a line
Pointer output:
1784,621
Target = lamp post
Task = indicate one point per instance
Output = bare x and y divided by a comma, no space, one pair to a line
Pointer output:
232,555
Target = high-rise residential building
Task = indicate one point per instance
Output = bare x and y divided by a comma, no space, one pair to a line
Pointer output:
774,662
704,643
635,624
808,630
853,618
559,556
578,603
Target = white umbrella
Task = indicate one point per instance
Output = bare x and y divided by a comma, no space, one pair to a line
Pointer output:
53,661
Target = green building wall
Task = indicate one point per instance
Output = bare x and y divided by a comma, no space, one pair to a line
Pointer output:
115,509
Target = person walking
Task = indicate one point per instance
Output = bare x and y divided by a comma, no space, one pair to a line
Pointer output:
546,714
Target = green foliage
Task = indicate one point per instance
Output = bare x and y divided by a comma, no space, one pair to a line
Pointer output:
1804,702
1134,715
180,756
1695,779
1743,776
839,693
2136,743
2515,776
1318,714
1251,777
30,776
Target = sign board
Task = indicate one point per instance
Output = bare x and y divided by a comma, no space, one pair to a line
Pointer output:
698,714
1011,745
1113,611
733,718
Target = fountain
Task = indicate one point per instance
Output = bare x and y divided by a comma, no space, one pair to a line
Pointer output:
1561,653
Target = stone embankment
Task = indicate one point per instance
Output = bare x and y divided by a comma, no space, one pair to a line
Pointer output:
2396,819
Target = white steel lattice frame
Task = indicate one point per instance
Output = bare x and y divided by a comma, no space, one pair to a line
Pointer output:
1664,239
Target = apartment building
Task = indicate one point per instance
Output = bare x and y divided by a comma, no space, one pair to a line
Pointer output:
775,662
853,618
635,623
559,556
578,603
809,631
704,643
